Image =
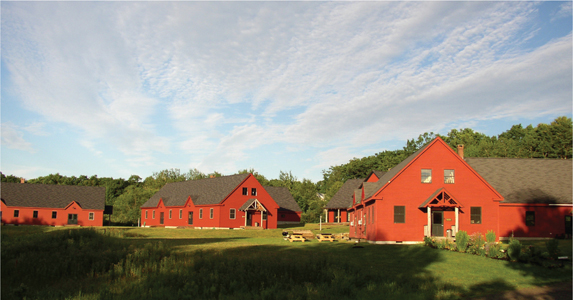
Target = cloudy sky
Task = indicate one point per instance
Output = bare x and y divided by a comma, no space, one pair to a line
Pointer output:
122,88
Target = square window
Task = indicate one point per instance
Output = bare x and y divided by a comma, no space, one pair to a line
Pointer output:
54,214
448,176
35,214
426,176
253,192
245,191
399,214
180,214
211,213
475,215
232,213
16,213
91,216
200,213
530,218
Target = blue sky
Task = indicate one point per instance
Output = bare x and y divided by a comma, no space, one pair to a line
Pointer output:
122,88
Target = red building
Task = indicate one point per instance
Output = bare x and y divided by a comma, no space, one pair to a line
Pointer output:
337,207
223,202
57,205
435,192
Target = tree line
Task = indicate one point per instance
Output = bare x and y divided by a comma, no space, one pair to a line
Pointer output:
552,140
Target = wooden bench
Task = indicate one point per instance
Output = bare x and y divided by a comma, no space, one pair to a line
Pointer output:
325,237
307,234
296,237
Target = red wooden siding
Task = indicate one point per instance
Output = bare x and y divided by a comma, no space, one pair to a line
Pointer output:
44,217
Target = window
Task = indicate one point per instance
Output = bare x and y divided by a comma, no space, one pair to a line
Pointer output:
210,213
448,176
91,216
35,214
264,215
200,213
253,192
530,218
475,215
16,213
146,214
245,191
426,176
399,214
170,214
54,214
180,214
232,212
153,215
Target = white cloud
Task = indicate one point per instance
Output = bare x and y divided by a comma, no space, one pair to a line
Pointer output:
14,139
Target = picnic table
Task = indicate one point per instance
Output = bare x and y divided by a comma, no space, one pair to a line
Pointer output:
325,237
296,237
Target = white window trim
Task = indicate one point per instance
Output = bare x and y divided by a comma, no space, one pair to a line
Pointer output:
234,211
91,216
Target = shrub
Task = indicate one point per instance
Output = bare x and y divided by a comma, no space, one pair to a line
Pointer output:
514,250
490,236
492,249
462,241
428,241
552,248
477,244
442,244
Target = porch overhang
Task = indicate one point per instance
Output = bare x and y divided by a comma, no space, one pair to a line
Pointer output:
441,199
253,204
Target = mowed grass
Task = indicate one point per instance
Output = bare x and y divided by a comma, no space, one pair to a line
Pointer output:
158,263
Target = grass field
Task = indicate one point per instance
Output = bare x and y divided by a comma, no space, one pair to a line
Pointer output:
156,263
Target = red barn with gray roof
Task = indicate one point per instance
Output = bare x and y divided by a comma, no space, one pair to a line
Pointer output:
435,192
221,202
57,205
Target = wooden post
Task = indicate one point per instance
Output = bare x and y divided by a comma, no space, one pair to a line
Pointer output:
339,215
457,220
262,212
246,217
429,221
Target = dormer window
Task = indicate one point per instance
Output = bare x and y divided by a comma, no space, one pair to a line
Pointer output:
448,176
426,175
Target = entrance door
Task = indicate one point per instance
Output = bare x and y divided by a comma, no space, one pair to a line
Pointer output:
161,215
249,219
190,220
437,223
72,219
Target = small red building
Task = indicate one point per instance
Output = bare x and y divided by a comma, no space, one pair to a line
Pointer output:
222,202
337,207
57,205
435,192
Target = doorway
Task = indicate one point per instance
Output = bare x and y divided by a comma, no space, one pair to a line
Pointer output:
190,218
438,223
72,219
161,217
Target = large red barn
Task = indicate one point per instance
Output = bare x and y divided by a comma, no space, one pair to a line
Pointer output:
435,192
222,202
57,205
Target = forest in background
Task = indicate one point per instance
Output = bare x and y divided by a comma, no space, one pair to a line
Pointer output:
552,140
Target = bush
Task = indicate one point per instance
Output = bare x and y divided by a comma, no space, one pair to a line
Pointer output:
490,236
462,241
493,249
552,248
477,244
514,250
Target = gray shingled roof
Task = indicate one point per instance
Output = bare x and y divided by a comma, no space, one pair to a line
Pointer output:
283,198
202,191
378,174
527,180
343,198
52,196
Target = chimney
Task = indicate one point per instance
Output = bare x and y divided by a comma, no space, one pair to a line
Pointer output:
22,180
461,151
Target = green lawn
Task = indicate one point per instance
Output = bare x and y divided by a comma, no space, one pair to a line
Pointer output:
158,263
